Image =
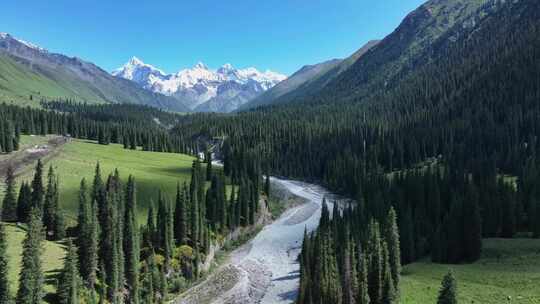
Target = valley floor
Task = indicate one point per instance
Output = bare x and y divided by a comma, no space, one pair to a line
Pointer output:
266,269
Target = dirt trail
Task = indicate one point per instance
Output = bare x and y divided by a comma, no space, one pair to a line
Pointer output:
20,160
266,269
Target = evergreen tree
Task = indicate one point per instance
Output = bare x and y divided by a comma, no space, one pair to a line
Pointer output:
5,292
194,221
131,243
69,281
50,207
24,203
88,238
448,292
180,217
363,286
391,237
9,204
375,263
31,276
388,287
37,189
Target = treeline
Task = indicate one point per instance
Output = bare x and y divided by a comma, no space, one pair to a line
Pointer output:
9,135
110,257
471,120
351,258
130,125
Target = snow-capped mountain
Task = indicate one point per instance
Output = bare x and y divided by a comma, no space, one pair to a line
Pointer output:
201,88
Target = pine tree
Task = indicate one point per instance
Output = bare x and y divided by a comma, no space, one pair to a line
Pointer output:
304,293
194,222
180,218
31,276
69,281
391,236
131,243
5,292
388,287
9,204
448,292
363,286
37,189
50,204
375,263
24,203
88,238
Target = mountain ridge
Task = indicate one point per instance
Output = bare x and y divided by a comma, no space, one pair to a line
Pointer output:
30,71
202,88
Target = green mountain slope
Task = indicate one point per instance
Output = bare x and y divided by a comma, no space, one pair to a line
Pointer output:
309,80
407,49
29,74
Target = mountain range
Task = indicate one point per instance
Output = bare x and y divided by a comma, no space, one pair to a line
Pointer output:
29,73
201,88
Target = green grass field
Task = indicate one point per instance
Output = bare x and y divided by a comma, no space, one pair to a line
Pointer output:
508,272
53,254
153,171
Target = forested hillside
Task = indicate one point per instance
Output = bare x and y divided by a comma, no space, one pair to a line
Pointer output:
471,110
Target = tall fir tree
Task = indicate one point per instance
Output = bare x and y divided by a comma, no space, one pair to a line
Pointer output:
9,203
180,217
50,205
5,291
88,238
69,283
31,277
24,203
131,243
391,236
363,285
38,191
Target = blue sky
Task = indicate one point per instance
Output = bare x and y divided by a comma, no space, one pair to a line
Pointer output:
280,35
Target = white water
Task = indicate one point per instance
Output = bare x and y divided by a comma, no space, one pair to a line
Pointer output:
275,249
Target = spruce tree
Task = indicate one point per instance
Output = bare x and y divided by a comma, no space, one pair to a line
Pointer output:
69,281
375,263
24,203
180,218
131,243
50,204
5,292
363,286
9,203
194,222
448,291
88,238
391,236
38,191
31,276
388,287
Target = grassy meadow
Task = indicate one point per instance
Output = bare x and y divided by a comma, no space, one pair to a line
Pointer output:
508,272
77,159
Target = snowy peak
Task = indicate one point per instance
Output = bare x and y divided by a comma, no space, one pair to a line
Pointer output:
200,84
138,71
10,40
